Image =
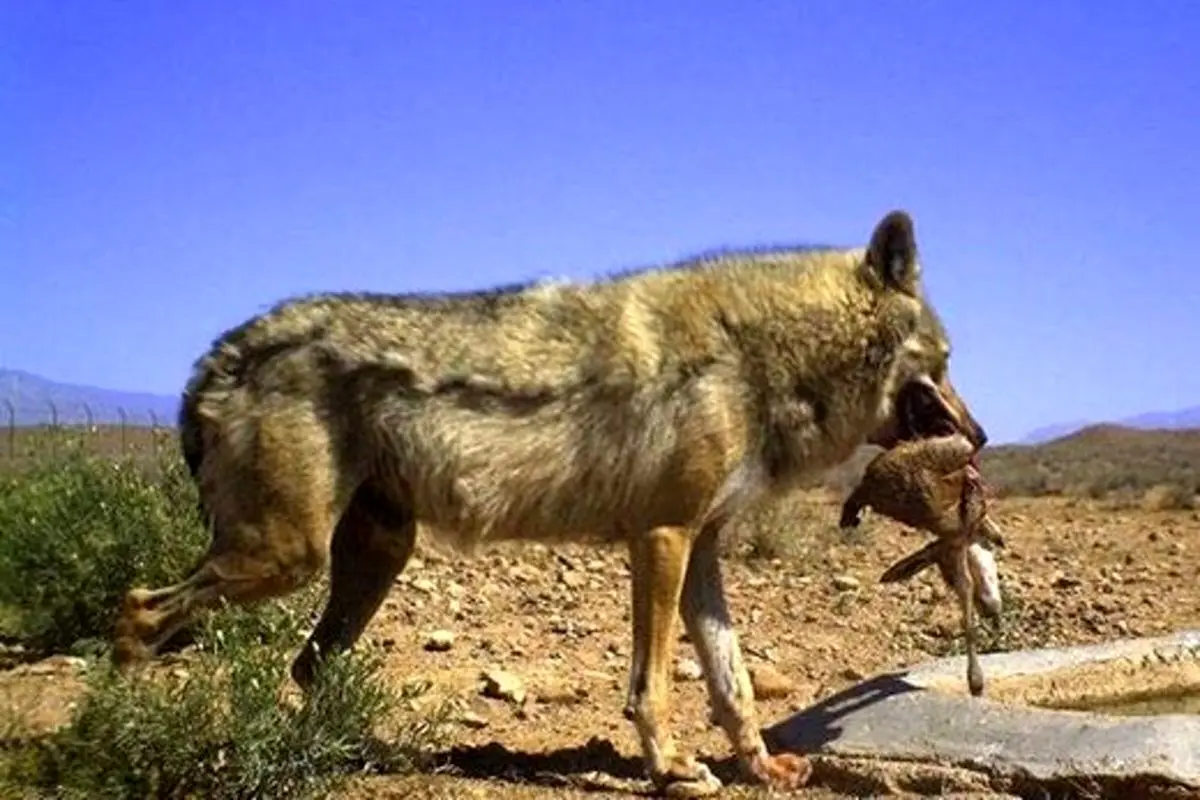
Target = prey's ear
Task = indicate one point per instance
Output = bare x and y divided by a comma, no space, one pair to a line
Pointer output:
892,253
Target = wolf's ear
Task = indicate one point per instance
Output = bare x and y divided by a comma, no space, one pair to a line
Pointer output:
892,253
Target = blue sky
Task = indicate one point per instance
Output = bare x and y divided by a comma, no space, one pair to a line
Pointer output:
168,169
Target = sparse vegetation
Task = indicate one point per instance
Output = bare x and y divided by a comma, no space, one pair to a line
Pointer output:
1099,462
78,530
793,529
1168,497
223,726
224,721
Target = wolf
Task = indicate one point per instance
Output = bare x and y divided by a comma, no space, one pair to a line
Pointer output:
644,408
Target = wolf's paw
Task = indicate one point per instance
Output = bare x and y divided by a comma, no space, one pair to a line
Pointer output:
782,771
686,778
851,517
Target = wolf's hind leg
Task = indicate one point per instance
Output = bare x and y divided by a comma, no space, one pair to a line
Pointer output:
371,546
710,626
272,524
150,617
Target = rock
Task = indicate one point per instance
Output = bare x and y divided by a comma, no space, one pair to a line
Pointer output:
573,579
560,694
439,641
503,685
769,683
845,583
56,664
472,720
424,585
1064,581
686,669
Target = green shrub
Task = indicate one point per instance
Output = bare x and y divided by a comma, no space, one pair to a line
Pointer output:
77,531
1168,497
221,725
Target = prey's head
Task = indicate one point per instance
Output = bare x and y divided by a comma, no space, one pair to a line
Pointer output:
921,400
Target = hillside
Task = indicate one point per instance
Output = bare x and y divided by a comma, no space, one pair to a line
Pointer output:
32,395
1096,461
1151,420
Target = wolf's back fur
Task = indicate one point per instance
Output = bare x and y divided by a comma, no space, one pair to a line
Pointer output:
558,410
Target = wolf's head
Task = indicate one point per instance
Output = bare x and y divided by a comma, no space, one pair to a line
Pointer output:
920,399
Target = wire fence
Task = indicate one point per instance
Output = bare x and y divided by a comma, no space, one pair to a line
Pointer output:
33,432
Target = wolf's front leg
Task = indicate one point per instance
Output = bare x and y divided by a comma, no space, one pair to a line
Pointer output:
706,615
658,559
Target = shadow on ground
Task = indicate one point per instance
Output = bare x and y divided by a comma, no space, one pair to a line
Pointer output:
598,765
568,766
809,730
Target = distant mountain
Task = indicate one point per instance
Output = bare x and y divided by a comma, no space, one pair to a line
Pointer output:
32,395
1164,420
1185,418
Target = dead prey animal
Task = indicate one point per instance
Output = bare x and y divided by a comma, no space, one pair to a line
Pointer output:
933,484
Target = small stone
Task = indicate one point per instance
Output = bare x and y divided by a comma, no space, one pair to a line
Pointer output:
424,585
845,583
503,685
852,674
1064,581
561,695
439,641
769,683
688,670
573,579
472,720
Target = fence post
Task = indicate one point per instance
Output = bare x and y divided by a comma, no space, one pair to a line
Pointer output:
124,425
12,429
53,429
88,441
154,438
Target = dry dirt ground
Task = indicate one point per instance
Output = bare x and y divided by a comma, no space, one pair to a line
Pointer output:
1075,571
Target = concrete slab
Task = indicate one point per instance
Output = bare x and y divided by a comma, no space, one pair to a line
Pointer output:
925,715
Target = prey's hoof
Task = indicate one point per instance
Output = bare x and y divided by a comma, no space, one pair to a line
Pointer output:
782,771
993,616
686,778
975,679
